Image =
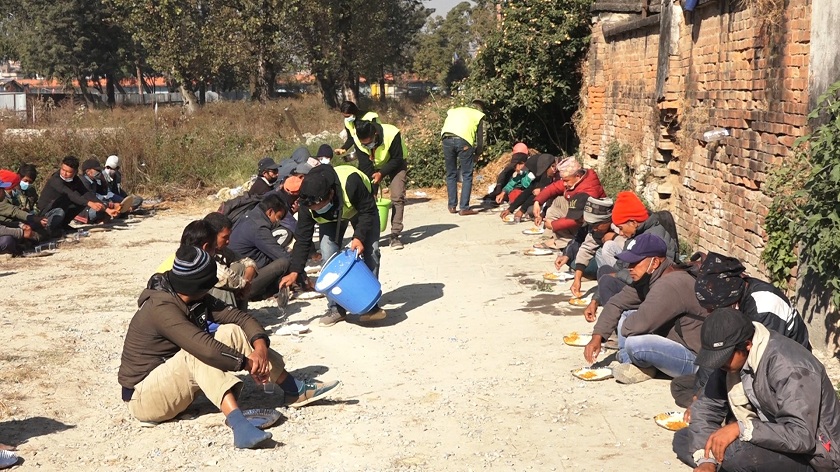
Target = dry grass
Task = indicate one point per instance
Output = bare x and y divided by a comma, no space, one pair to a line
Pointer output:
768,11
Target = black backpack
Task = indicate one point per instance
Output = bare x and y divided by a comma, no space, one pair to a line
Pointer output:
237,207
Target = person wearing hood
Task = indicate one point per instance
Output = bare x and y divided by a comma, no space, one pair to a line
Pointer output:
332,197
505,174
657,317
574,180
462,138
519,179
182,341
92,180
64,196
383,154
542,167
26,196
772,409
352,114
113,179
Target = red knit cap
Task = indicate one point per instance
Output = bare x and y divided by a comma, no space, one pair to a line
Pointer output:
9,177
628,207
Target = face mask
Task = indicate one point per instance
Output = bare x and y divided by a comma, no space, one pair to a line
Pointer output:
66,179
325,161
111,172
24,185
370,146
645,279
325,209
350,119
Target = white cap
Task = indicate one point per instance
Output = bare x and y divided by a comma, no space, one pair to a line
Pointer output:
113,161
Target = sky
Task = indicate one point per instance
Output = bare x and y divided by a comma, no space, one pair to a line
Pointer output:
441,6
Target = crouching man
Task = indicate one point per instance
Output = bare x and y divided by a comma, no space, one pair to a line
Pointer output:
786,413
181,341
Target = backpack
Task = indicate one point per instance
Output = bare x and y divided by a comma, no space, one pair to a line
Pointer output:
666,219
237,207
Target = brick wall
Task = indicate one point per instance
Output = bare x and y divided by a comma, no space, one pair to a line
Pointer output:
727,70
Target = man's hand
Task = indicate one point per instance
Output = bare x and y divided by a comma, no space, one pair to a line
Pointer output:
575,288
504,214
591,311
518,214
289,279
339,151
27,231
258,365
721,439
500,198
96,206
357,246
561,260
592,349
249,274
377,177
112,212
536,192
705,467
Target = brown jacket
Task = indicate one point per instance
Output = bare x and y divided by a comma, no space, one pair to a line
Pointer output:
164,325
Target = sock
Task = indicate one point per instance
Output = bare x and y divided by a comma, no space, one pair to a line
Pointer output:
292,386
245,435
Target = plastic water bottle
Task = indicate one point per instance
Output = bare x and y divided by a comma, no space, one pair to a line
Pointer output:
715,134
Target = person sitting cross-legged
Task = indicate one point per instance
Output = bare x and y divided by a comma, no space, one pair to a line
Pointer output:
657,317
182,341
774,409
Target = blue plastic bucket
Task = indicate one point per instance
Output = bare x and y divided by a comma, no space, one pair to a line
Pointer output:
347,281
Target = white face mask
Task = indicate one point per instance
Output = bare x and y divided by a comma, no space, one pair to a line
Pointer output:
350,119
325,161
66,179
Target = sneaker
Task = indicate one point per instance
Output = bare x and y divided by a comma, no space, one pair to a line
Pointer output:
630,373
395,243
374,315
331,317
312,392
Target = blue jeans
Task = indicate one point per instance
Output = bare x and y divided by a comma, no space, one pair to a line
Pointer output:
651,350
330,246
457,151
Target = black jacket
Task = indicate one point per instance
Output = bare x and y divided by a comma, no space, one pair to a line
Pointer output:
60,194
396,161
251,237
260,187
364,222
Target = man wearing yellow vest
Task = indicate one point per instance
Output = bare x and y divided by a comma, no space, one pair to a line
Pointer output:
383,155
327,195
352,114
463,141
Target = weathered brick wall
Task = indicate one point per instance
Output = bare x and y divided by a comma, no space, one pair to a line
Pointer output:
728,69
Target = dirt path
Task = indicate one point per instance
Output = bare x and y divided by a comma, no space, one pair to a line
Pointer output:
468,372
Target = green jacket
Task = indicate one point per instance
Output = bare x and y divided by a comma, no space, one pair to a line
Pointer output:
520,180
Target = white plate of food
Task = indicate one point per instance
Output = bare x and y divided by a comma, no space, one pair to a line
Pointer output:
534,230
308,295
538,252
262,418
574,301
509,219
576,339
589,374
671,420
558,276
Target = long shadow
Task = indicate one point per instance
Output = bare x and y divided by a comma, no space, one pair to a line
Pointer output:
410,297
17,432
422,232
6,274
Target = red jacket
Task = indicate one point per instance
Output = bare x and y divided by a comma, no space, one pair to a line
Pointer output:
589,184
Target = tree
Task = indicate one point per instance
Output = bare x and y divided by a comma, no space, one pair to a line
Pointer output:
444,47
528,72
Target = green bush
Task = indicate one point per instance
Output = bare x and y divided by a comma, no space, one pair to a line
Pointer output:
615,172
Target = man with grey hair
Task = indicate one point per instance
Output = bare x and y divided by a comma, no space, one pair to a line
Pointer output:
573,180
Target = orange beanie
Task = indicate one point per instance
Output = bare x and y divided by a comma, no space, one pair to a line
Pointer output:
628,207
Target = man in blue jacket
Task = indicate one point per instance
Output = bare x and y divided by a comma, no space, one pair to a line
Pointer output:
252,237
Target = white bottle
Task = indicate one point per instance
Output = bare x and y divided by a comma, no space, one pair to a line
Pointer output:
715,134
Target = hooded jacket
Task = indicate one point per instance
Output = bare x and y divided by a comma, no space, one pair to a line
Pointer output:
252,237
164,325
589,184
783,401
666,306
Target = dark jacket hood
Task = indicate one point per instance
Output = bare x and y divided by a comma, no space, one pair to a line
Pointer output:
539,164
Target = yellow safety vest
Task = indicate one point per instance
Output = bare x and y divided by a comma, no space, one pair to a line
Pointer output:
380,155
369,116
462,122
349,211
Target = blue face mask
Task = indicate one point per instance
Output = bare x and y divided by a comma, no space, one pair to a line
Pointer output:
370,146
325,209
350,119
24,185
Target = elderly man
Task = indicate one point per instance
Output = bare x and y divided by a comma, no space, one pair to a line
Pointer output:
170,354
574,180
786,413
657,317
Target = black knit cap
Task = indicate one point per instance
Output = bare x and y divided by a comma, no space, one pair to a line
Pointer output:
317,184
719,281
193,272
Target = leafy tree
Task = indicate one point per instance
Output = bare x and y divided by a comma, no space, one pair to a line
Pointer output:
528,70
444,46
